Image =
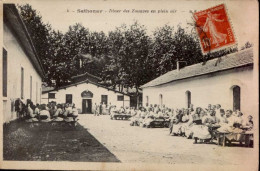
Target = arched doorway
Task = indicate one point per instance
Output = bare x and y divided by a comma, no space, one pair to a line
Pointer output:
188,98
236,97
87,101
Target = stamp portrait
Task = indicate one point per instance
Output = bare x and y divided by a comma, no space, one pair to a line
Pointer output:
214,28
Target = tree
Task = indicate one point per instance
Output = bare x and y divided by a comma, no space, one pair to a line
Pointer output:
168,47
128,57
39,32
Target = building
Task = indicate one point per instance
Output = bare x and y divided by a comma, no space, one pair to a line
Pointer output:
228,80
84,91
22,71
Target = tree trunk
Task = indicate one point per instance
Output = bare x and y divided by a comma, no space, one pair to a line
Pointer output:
137,98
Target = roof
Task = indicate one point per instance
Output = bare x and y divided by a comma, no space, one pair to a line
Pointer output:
47,89
230,61
13,19
82,82
86,74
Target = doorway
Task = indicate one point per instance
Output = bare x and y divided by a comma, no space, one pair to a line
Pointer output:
188,99
87,106
104,99
236,98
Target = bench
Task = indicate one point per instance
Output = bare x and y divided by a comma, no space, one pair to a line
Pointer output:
121,117
221,138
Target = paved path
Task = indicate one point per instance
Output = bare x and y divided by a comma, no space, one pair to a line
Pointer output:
136,144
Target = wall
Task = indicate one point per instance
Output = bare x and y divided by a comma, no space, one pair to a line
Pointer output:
16,59
210,89
76,91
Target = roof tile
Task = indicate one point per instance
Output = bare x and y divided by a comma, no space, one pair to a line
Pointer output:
229,61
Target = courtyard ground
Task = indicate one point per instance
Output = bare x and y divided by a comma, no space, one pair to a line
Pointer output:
52,143
133,144
99,139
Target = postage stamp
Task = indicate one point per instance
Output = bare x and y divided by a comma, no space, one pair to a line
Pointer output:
214,29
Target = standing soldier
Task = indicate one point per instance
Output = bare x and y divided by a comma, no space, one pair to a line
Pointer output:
95,109
100,108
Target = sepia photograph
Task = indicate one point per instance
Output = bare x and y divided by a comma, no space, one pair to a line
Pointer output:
129,85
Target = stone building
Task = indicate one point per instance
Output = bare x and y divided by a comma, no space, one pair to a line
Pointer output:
230,80
21,69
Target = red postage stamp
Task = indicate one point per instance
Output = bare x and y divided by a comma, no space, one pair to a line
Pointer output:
214,29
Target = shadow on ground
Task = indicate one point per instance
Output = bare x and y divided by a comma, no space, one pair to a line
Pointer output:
47,142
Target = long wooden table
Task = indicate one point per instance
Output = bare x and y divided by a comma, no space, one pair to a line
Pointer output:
221,138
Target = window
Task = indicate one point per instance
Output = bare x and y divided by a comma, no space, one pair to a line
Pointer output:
4,73
22,83
51,95
31,87
161,99
188,98
236,98
104,99
120,98
69,98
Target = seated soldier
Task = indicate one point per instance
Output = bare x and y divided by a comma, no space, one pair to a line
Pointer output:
68,110
52,109
135,119
37,110
113,111
74,113
202,131
184,121
194,120
58,116
44,114
221,118
127,110
31,116
69,113
142,116
176,126
249,124
122,110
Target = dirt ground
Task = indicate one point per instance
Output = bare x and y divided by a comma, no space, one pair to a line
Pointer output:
136,145
52,143
99,139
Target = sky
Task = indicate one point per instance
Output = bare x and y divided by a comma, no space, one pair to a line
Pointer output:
243,15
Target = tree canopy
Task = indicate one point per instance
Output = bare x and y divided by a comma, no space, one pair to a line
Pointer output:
126,57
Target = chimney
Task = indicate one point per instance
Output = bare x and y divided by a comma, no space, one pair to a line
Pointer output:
179,66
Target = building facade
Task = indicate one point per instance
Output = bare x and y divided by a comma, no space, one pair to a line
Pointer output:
228,81
22,71
85,92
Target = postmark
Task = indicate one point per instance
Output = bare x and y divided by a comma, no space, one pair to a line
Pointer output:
214,29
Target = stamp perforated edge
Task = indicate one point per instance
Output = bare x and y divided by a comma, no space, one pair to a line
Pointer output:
230,45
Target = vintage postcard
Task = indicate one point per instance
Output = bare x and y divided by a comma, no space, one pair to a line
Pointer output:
129,85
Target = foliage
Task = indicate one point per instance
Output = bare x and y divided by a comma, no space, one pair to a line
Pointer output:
126,57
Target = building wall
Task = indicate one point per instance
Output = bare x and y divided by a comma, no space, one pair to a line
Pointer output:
60,95
17,58
210,89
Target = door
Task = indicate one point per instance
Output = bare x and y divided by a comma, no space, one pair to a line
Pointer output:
89,103
104,99
86,106
236,98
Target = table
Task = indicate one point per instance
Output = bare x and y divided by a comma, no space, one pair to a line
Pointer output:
221,138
